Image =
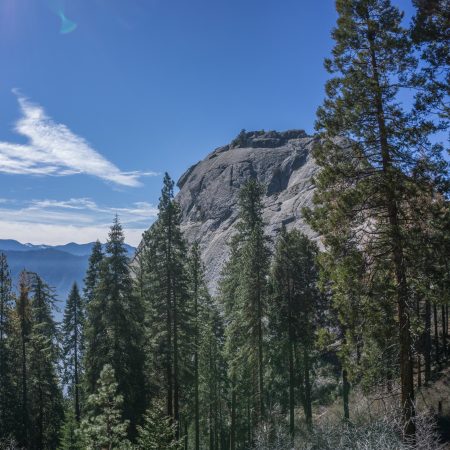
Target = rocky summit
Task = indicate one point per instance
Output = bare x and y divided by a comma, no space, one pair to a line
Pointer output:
209,190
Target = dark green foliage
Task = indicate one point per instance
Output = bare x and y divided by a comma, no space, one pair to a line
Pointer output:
377,160
197,295
45,397
165,288
114,331
103,427
21,339
243,291
8,400
295,306
157,431
73,347
38,410
430,32
92,274
70,433
213,382
208,369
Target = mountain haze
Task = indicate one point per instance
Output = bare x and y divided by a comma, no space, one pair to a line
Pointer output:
59,265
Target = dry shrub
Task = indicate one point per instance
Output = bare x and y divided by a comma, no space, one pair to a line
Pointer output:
380,433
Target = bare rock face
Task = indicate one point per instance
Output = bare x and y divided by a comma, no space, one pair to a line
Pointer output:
209,190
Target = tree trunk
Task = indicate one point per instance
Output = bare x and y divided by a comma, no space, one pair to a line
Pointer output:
176,386
395,236
76,380
444,333
260,354
169,358
345,394
249,424
291,390
419,370
40,440
24,393
233,416
2,346
196,379
427,339
169,350
211,427
308,406
436,335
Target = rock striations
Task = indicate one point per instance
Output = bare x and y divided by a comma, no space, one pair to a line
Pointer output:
209,190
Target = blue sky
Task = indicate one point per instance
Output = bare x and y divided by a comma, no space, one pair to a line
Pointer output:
90,119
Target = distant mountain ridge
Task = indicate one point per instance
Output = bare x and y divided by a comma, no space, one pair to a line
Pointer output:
72,247
58,265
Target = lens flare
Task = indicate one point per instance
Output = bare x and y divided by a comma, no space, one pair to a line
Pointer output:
58,8
67,26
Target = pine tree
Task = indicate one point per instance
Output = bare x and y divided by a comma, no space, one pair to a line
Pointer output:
103,427
92,274
157,431
430,34
253,283
228,297
45,396
370,148
114,331
295,302
73,346
213,382
196,282
167,301
21,341
70,433
7,388
243,291
207,331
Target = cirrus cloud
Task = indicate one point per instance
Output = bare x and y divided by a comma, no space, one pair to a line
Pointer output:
53,149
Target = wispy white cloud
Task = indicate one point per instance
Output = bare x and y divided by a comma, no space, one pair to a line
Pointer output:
52,221
53,149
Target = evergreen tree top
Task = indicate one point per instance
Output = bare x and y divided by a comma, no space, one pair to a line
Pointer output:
250,204
116,239
91,278
73,305
5,278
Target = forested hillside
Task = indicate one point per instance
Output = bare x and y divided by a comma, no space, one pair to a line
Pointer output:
341,342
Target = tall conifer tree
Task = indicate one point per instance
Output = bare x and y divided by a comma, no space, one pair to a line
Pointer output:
103,427
8,402
92,274
73,347
114,329
46,408
22,336
430,32
371,146
293,310
243,290
166,295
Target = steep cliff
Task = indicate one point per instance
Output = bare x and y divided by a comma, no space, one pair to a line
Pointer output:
209,190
